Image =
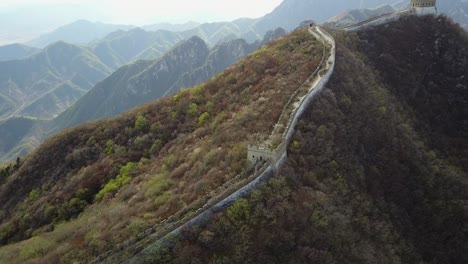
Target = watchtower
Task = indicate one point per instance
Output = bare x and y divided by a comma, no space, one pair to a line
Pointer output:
424,7
265,153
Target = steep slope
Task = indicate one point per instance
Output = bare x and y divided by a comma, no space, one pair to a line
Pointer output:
16,51
377,173
78,32
24,81
149,163
188,64
136,84
56,101
123,47
13,132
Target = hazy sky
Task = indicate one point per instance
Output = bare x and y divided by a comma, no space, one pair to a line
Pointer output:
140,12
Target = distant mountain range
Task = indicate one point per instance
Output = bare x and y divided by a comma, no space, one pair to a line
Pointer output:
83,32
357,15
172,27
123,47
51,80
287,15
80,32
187,64
56,74
16,51
455,9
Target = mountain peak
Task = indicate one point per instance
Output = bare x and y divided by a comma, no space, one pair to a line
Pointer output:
59,45
195,40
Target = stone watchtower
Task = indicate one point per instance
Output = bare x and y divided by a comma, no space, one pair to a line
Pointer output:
424,7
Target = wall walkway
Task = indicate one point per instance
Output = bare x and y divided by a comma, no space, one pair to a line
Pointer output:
255,176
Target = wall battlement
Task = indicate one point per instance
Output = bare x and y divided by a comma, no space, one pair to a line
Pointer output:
423,3
263,153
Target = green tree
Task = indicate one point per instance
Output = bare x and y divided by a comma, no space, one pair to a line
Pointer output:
109,147
122,179
141,123
203,118
239,211
193,109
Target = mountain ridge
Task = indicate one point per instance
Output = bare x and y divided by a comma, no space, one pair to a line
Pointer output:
16,51
166,125
370,163
363,166
23,81
79,32
143,81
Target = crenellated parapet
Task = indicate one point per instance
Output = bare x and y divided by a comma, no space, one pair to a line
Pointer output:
264,153
424,7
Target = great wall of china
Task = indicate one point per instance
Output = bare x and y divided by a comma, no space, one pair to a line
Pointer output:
271,160
243,184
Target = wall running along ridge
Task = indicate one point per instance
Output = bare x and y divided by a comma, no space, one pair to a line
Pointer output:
262,174
270,168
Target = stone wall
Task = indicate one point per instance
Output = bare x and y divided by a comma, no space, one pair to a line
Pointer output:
268,170
383,19
423,3
260,153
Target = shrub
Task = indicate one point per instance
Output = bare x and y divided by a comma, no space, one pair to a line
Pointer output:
158,184
203,119
239,211
142,141
37,247
109,147
34,195
141,123
122,179
72,208
137,226
193,109
296,144
162,199
156,147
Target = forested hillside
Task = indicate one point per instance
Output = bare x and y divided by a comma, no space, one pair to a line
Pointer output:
189,63
378,172
87,189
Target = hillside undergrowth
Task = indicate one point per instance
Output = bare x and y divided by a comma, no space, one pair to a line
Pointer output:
377,172
94,186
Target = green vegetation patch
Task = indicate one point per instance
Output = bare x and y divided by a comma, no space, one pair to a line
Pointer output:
124,177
